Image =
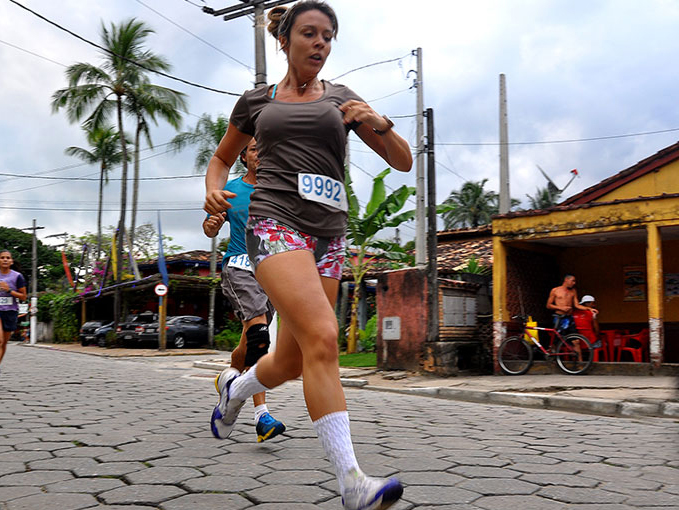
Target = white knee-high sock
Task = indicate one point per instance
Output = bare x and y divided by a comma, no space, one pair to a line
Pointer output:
246,385
335,436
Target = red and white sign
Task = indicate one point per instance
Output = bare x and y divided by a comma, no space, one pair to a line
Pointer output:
161,289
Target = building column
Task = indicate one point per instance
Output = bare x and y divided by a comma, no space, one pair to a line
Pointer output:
500,314
656,293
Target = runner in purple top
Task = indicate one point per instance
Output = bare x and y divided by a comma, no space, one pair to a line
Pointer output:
295,233
12,290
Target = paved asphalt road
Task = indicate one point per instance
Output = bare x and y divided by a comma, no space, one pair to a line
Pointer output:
81,432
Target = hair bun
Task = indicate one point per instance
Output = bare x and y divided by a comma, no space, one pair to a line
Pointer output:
275,15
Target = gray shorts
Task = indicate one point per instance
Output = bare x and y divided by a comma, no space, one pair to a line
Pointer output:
247,298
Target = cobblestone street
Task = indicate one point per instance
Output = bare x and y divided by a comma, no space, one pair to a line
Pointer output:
83,432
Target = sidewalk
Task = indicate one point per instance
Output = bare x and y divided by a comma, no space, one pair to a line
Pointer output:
611,395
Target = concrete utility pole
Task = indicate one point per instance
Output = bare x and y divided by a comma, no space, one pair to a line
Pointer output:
420,224
504,150
432,273
34,284
257,8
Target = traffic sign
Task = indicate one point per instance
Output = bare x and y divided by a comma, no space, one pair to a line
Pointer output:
160,289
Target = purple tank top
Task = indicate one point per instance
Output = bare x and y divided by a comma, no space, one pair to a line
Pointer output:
15,282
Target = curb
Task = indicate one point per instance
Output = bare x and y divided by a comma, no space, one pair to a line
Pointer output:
597,406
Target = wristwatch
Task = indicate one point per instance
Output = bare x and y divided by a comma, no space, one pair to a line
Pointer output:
390,125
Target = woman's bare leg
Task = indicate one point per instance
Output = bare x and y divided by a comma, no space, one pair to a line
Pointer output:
303,300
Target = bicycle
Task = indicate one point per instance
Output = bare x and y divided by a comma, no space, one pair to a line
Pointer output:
573,352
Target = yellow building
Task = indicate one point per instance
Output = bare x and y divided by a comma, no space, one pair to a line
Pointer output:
620,238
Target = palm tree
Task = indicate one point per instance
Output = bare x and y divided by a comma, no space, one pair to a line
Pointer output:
471,206
106,151
147,103
207,134
100,91
544,198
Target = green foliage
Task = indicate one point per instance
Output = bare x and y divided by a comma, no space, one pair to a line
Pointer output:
206,135
229,337
544,198
62,312
358,360
145,242
472,206
50,267
44,307
475,267
368,337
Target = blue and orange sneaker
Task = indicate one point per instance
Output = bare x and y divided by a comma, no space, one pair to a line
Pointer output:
268,427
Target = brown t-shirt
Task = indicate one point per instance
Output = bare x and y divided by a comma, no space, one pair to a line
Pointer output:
294,138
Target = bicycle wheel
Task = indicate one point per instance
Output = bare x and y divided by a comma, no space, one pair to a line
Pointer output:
515,356
574,354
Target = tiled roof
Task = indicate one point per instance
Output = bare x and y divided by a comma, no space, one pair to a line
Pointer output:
454,254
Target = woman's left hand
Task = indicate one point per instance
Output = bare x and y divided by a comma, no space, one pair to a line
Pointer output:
356,111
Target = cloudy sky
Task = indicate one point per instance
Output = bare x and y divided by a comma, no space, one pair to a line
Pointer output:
576,70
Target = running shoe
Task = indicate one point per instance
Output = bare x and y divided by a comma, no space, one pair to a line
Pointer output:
268,427
225,414
363,492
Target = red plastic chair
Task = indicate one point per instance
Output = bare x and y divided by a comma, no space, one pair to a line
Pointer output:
613,341
636,345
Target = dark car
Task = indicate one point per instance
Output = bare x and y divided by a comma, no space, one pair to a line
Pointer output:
94,332
130,331
181,330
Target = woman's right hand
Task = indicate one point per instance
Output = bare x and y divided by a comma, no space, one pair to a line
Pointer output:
213,224
216,201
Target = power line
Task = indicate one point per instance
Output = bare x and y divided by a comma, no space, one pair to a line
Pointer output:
367,65
106,50
571,140
389,95
208,43
73,209
34,54
410,199
88,175
76,165
70,178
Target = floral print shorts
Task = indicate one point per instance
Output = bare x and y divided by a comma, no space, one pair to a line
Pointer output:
265,237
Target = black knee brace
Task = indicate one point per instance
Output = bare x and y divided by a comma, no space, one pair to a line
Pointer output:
257,343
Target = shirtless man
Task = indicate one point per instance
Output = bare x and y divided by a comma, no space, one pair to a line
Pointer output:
564,299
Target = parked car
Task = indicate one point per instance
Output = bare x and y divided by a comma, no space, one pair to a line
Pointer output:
94,332
129,332
181,330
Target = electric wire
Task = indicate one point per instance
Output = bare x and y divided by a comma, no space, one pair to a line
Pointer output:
106,50
71,178
88,175
73,209
571,140
208,43
368,65
32,53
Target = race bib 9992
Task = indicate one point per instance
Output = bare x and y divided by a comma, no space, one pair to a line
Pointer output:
322,189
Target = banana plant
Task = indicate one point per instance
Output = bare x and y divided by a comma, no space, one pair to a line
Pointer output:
382,211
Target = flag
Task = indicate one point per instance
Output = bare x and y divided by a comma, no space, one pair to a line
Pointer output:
162,268
574,171
114,257
67,268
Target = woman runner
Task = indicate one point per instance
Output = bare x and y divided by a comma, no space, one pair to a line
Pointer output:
295,232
